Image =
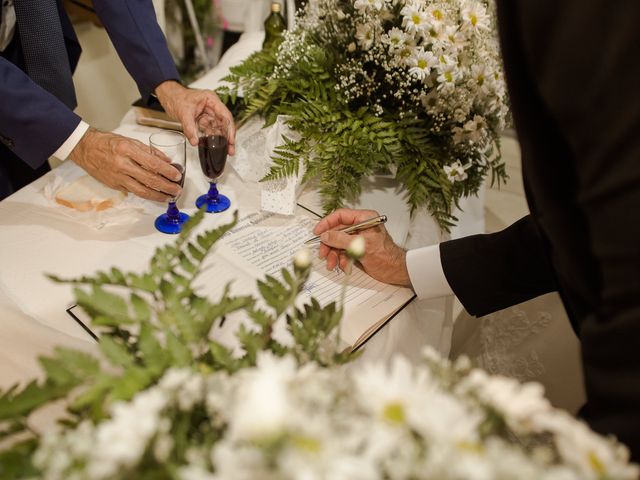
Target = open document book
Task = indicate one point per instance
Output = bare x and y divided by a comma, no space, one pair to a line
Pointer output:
264,243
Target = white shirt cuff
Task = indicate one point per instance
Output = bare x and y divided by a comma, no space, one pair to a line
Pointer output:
67,147
426,273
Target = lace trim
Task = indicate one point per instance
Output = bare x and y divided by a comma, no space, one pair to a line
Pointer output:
503,340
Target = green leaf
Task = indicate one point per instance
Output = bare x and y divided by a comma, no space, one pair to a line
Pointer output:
21,403
152,352
141,308
16,462
69,367
261,318
117,276
222,355
186,324
116,353
107,302
186,264
195,252
143,282
11,429
131,382
94,394
180,354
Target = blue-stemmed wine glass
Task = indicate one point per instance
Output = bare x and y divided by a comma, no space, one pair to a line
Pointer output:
172,147
212,151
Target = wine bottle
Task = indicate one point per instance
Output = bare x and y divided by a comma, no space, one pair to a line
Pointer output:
274,25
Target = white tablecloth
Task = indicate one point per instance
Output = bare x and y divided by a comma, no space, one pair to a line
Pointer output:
39,237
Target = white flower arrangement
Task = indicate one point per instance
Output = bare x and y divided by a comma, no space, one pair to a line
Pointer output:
415,86
281,420
436,59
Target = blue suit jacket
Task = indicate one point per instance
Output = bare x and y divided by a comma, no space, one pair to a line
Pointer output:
34,123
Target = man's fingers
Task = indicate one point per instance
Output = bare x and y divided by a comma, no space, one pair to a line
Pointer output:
345,266
151,180
135,187
324,250
231,147
218,109
343,217
150,162
190,129
231,138
336,239
158,153
332,260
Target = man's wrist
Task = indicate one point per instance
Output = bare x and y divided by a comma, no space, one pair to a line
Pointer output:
77,153
65,150
166,89
398,266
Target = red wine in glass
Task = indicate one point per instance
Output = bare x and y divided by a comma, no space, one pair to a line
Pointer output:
212,151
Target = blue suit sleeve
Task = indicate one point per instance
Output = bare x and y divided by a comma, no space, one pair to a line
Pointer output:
139,41
33,123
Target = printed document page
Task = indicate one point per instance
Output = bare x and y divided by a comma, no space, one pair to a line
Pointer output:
264,243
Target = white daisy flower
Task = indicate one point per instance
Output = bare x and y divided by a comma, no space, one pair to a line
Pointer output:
404,53
455,37
364,35
434,33
588,452
396,38
475,17
414,21
393,394
368,5
263,402
456,172
480,77
421,63
436,15
476,129
448,75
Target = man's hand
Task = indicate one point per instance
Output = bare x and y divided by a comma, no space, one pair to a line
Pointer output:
383,259
126,164
186,104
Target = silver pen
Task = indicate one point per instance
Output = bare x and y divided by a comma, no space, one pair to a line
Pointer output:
357,227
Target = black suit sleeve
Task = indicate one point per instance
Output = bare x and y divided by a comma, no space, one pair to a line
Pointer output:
491,272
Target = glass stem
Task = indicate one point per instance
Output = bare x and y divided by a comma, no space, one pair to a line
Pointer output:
213,192
172,212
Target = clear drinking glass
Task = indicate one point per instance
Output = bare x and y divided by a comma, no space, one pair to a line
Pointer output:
212,151
171,146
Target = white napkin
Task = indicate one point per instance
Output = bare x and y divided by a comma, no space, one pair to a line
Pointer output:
125,212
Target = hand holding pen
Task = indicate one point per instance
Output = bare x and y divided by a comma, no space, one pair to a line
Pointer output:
383,259
355,228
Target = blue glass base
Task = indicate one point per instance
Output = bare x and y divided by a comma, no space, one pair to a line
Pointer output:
171,225
214,205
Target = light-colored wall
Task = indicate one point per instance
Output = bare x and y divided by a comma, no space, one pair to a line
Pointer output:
104,88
